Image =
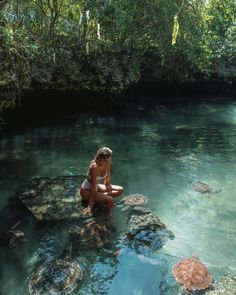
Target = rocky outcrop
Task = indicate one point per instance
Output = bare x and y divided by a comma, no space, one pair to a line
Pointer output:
54,198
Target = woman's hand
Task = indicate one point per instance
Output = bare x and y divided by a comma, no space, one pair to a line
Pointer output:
89,208
108,187
87,211
90,204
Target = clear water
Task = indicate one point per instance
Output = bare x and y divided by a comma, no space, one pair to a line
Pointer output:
158,152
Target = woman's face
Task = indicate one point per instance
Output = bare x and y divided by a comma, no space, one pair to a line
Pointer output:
105,160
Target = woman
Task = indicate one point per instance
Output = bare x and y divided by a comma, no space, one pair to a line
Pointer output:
91,191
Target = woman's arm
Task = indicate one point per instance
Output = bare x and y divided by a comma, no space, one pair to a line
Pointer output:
108,177
93,179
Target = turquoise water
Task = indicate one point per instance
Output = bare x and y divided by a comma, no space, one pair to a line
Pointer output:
158,152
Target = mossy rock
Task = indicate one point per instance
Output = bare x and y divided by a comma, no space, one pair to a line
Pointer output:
225,286
58,276
147,233
54,198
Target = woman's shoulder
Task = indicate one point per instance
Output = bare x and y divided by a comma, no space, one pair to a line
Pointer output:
93,165
93,169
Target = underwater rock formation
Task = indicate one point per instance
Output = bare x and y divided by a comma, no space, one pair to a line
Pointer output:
147,233
204,188
54,198
134,200
10,238
58,276
93,234
225,286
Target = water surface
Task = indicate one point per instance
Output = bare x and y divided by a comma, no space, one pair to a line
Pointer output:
158,152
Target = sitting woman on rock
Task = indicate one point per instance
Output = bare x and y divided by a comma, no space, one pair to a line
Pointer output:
93,192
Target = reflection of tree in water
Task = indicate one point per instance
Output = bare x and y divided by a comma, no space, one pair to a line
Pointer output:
186,141
149,134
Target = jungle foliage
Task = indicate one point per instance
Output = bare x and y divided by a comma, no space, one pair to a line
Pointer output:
109,45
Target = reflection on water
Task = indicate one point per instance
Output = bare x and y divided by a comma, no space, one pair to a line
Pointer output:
158,152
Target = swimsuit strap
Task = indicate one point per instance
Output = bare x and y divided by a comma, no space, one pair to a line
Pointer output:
98,176
98,172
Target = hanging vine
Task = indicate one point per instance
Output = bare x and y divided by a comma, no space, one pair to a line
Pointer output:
175,30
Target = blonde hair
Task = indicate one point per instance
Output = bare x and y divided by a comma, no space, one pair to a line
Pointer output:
103,153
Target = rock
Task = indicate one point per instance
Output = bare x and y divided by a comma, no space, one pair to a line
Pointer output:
134,200
54,198
147,233
201,187
225,286
204,188
10,238
135,221
59,276
93,234
141,210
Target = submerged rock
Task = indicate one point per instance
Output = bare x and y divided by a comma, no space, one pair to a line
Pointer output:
201,187
225,286
147,233
140,210
54,198
136,220
57,276
134,200
10,238
204,188
93,234
45,251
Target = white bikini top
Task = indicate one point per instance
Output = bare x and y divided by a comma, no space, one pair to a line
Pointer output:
98,176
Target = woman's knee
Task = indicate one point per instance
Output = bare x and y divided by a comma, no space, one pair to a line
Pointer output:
102,188
121,190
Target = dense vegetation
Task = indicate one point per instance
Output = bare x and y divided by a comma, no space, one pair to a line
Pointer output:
110,45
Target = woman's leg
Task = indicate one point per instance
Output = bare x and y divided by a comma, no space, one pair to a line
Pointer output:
98,197
112,190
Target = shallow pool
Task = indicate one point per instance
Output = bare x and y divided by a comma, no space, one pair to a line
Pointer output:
159,152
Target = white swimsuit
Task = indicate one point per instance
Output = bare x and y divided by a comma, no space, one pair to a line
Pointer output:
87,184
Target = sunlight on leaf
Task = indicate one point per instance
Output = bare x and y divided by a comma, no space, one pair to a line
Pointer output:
175,30
98,31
